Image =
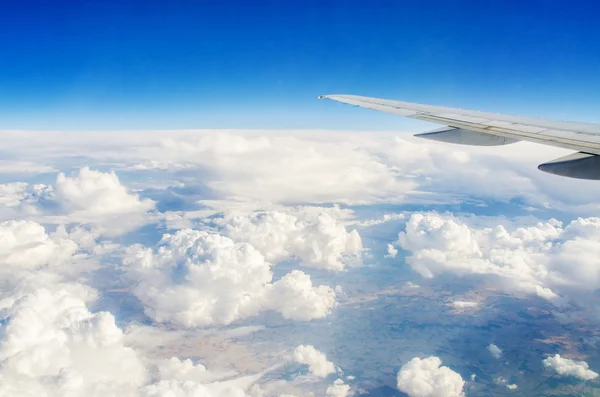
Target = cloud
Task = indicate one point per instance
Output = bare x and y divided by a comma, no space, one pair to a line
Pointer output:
195,278
317,362
86,197
51,343
464,304
20,199
289,168
295,297
338,389
26,244
504,382
544,259
318,240
427,378
568,367
225,275
90,196
175,377
33,259
24,167
495,350
391,251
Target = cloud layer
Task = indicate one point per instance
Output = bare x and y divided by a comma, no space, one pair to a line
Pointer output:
233,205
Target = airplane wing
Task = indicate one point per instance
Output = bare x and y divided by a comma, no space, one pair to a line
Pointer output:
470,127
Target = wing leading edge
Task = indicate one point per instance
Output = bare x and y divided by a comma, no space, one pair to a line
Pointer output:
489,129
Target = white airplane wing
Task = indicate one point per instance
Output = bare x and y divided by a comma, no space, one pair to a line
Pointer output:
470,127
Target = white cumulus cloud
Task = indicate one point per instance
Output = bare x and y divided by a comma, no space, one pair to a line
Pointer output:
317,240
544,259
26,244
296,298
51,343
90,196
495,350
338,389
86,197
391,251
428,378
317,362
21,194
194,278
567,367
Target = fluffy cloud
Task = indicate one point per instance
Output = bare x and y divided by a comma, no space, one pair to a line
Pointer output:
87,196
98,197
391,251
22,193
97,193
183,378
194,278
26,244
318,241
338,389
20,199
539,259
50,343
568,367
427,378
317,362
33,259
295,297
495,350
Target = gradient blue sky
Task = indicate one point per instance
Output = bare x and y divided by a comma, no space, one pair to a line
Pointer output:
261,64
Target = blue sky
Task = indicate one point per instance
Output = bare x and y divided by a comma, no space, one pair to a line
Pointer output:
261,64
